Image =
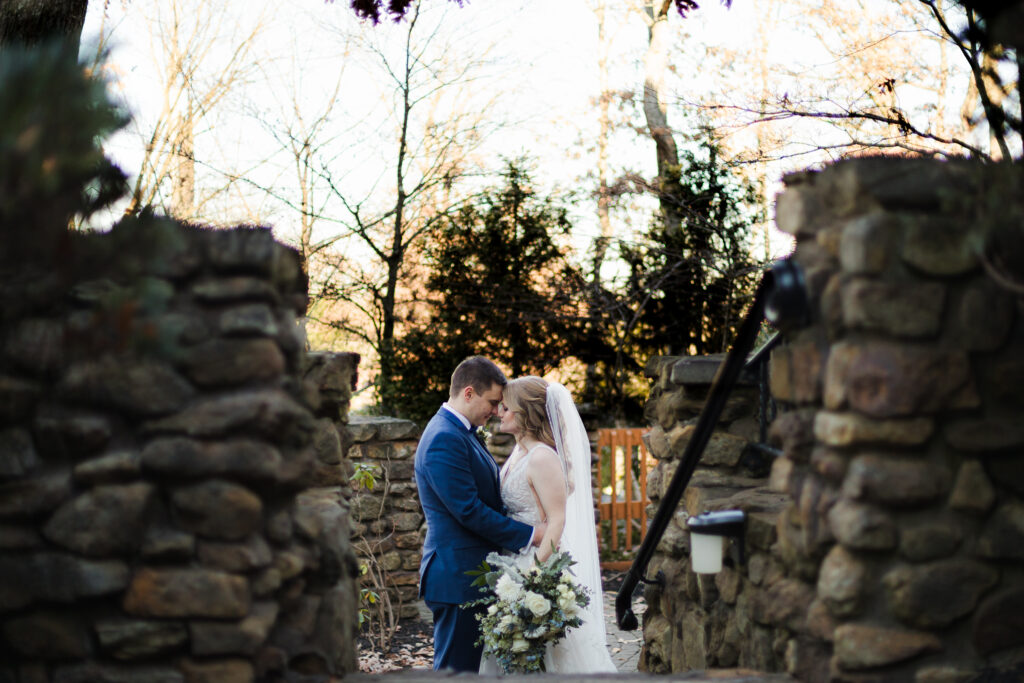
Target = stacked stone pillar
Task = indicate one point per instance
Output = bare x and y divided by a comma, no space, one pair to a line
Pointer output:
903,460
895,554
165,514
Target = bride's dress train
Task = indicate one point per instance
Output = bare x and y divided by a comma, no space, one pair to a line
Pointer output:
584,649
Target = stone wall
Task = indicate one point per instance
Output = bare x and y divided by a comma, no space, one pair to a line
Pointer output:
165,514
897,555
388,527
689,622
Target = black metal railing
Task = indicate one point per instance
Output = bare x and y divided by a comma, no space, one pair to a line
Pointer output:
781,298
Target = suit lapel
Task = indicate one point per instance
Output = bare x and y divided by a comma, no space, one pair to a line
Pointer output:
482,452
475,447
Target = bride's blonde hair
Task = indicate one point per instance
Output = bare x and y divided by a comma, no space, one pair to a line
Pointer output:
526,397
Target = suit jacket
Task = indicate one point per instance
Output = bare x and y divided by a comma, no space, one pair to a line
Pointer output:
458,487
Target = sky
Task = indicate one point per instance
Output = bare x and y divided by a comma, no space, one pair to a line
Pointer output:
538,79
534,78
523,72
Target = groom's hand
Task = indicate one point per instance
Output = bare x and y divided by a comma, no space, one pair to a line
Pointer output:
538,533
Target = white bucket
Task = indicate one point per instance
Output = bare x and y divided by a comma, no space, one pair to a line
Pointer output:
706,553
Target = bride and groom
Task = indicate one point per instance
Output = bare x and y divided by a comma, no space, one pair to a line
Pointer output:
541,497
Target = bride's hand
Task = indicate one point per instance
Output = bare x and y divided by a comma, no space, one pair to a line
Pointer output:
544,552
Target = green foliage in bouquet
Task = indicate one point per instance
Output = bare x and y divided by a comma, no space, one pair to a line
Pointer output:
527,610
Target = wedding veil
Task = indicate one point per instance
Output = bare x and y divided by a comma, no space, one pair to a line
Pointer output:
579,538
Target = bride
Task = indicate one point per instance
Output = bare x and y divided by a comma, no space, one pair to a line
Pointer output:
547,477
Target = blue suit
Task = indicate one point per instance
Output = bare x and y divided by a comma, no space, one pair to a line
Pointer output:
459,491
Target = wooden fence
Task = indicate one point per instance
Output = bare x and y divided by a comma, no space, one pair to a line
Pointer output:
622,467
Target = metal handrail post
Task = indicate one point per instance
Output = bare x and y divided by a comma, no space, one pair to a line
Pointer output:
783,284
724,380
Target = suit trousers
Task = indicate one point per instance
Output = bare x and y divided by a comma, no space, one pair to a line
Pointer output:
455,633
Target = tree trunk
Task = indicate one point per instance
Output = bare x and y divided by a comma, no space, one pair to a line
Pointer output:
183,195
655,65
603,136
386,343
603,190
996,96
766,23
29,22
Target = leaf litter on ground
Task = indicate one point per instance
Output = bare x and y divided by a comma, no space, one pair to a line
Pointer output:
413,644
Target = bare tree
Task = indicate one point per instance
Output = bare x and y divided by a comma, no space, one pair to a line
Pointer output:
305,129
604,199
436,122
656,14
365,189
884,85
982,57
203,54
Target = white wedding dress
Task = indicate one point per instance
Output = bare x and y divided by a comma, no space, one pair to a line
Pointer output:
584,649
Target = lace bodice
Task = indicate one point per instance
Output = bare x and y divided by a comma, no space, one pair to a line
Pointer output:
515,488
584,649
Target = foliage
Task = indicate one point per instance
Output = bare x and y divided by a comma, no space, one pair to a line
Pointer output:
498,285
372,9
377,614
684,6
527,610
367,597
363,476
53,117
700,275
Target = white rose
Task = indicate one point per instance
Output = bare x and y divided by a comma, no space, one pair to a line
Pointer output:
520,645
492,609
537,604
507,589
566,576
567,602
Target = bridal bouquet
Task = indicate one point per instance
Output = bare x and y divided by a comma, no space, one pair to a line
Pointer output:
526,609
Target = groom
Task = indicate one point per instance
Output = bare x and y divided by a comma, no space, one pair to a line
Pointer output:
459,491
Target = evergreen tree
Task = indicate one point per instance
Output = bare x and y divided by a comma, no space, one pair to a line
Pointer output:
700,276
686,289
53,119
498,285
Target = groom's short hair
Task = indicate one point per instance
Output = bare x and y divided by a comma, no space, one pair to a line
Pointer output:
477,372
